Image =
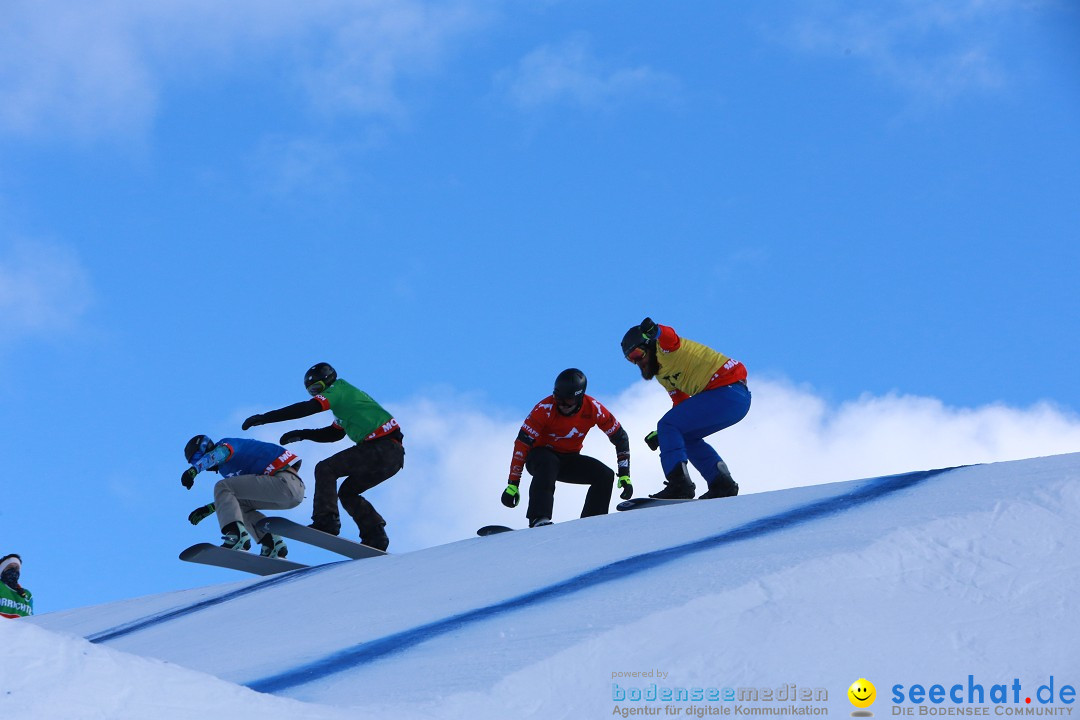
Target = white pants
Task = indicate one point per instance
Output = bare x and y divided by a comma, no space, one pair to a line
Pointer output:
239,498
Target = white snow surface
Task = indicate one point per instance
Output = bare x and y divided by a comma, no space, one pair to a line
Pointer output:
926,578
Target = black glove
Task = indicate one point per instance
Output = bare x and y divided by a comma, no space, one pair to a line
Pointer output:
187,479
511,495
652,440
627,487
252,421
201,513
649,329
291,437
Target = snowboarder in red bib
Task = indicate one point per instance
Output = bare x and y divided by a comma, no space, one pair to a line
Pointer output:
377,455
549,447
708,392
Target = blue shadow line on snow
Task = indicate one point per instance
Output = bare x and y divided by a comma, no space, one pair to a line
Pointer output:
374,650
136,625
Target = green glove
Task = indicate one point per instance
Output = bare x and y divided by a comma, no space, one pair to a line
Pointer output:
652,440
511,495
201,513
187,479
626,486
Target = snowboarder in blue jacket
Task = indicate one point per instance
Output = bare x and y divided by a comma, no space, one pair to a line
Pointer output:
254,475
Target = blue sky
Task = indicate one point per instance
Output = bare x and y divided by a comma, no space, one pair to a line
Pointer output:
874,207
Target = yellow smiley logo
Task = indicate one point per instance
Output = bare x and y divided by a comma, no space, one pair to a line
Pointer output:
862,693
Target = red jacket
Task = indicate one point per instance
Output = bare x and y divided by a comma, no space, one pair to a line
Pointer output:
547,427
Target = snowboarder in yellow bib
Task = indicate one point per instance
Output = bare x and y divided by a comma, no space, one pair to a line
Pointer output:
708,393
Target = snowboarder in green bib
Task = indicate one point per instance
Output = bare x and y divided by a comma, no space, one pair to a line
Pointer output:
377,455
15,600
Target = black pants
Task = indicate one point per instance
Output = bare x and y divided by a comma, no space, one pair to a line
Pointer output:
363,466
546,466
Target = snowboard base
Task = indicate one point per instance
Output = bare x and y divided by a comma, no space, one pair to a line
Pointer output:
209,554
645,502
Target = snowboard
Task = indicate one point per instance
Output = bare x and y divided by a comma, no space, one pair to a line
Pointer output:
310,536
209,554
647,502
493,530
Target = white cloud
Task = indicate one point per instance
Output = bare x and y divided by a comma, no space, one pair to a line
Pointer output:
43,288
371,49
931,49
458,454
73,66
286,165
794,437
569,72
98,69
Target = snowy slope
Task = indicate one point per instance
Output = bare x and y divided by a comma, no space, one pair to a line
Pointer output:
53,676
920,578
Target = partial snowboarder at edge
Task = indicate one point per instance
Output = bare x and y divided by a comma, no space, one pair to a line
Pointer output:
15,600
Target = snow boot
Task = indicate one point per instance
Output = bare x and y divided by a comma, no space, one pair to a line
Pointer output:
540,522
369,522
723,485
235,537
327,524
273,546
375,536
678,485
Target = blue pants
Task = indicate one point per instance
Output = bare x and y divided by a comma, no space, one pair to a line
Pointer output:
682,429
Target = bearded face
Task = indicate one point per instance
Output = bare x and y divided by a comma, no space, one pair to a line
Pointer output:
649,365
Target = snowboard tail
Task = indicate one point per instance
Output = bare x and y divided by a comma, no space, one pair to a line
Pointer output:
310,536
493,530
209,554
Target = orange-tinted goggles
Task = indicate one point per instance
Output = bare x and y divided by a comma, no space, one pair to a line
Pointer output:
636,354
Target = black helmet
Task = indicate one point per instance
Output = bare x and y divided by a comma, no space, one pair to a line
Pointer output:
319,377
197,447
634,339
570,388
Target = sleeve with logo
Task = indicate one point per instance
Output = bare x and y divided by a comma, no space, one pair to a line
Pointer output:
616,433
527,436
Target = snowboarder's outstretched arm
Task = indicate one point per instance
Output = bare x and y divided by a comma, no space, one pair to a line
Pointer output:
329,434
289,412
